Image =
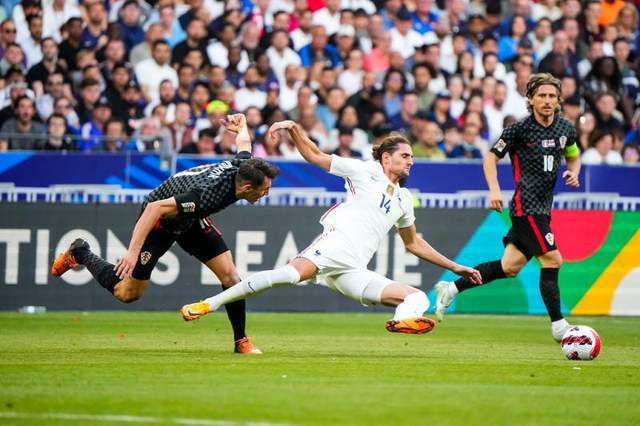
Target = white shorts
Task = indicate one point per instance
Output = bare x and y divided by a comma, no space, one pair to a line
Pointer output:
340,272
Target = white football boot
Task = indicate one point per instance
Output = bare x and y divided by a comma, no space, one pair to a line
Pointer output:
558,328
444,297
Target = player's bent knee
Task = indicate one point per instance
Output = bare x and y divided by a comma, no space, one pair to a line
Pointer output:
129,290
230,279
512,270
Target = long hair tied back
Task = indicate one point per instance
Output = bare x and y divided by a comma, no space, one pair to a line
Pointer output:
389,144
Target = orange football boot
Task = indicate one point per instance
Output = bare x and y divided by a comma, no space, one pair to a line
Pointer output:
418,325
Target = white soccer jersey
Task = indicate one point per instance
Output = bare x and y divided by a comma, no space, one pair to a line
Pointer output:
372,207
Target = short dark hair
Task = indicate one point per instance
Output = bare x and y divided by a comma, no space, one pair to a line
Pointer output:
159,42
255,170
209,132
389,144
56,115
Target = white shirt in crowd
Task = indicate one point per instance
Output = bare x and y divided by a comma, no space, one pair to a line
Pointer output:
367,5
592,156
373,206
219,55
350,81
405,44
280,60
150,74
288,97
331,22
495,118
299,38
244,98
53,19
32,51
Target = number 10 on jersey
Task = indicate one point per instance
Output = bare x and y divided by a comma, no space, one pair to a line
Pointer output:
548,163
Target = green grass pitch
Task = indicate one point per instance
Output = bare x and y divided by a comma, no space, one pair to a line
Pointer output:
152,368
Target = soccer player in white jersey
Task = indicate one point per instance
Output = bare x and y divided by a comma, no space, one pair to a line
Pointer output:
352,233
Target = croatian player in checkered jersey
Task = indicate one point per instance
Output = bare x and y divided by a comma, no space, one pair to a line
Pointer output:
178,211
352,233
536,145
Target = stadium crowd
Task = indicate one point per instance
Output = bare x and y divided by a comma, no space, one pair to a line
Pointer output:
118,75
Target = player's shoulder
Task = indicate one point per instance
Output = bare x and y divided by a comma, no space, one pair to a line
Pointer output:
564,124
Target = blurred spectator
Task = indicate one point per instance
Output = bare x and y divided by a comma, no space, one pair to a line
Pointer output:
408,110
394,87
172,32
204,146
427,145
129,24
348,117
404,38
89,95
13,58
328,114
605,76
440,111
7,35
54,89
631,154
495,112
115,137
142,50
64,107
289,88
22,132
451,139
319,48
601,149
328,16
114,53
560,61
586,125
178,133
92,131
470,143
94,33
345,139
31,44
56,130
150,72
422,73
250,94
377,59
423,17
627,24
605,112
301,36
281,55
507,45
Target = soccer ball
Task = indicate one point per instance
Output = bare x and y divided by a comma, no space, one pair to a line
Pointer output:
581,343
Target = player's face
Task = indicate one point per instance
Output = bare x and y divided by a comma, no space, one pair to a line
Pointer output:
400,161
545,101
253,194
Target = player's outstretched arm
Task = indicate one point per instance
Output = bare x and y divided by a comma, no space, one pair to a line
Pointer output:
490,168
307,148
235,126
419,247
154,211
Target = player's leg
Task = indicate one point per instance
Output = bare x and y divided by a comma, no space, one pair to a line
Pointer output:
299,269
411,304
514,258
129,289
550,263
204,241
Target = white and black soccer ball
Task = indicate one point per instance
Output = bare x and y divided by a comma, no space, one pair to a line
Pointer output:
581,343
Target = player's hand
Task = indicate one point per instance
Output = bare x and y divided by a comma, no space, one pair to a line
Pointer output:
571,179
275,127
124,266
471,274
234,122
495,200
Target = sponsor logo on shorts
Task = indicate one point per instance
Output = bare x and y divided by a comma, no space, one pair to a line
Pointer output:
189,207
563,141
145,257
549,238
500,145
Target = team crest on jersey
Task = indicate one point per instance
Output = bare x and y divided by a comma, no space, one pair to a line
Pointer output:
390,189
549,238
500,145
145,257
188,207
563,141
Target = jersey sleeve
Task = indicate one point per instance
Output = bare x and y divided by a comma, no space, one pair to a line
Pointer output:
409,217
571,147
346,167
506,142
190,204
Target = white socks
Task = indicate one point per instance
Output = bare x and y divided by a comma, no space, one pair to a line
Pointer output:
414,305
452,289
254,284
